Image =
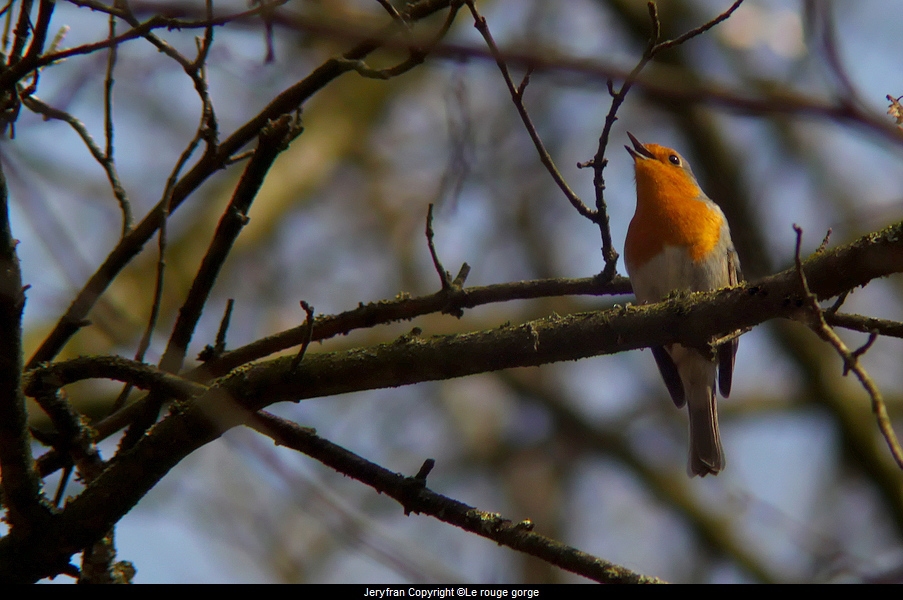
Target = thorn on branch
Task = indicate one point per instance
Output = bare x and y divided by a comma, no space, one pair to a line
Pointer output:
425,470
220,346
308,335
412,486
461,277
524,83
873,335
824,243
838,303
211,352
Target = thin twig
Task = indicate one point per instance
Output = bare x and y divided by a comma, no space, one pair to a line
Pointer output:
209,128
444,276
108,92
864,324
21,32
37,105
163,207
416,53
139,30
729,337
219,345
392,12
837,303
599,162
698,30
850,359
517,96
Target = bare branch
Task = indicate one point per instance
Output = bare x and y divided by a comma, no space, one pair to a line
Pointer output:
273,140
215,159
415,497
517,97
406,308
850,359
865,324
234,399
25,508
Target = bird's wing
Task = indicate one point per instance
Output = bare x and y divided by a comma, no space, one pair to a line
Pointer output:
669,373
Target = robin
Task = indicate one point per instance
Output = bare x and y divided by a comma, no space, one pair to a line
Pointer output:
679,240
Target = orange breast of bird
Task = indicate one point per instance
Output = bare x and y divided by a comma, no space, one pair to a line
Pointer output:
671,210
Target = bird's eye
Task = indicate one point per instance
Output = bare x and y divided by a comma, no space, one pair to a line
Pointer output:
675,160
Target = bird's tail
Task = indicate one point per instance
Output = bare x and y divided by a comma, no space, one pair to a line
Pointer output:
706,455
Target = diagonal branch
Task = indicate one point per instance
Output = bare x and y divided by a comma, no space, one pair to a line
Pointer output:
816,322
414,496
517,95
273,140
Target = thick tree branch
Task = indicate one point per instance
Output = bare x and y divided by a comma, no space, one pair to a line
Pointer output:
406,308
233,399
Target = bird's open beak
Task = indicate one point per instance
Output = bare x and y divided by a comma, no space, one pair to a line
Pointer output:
639,150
